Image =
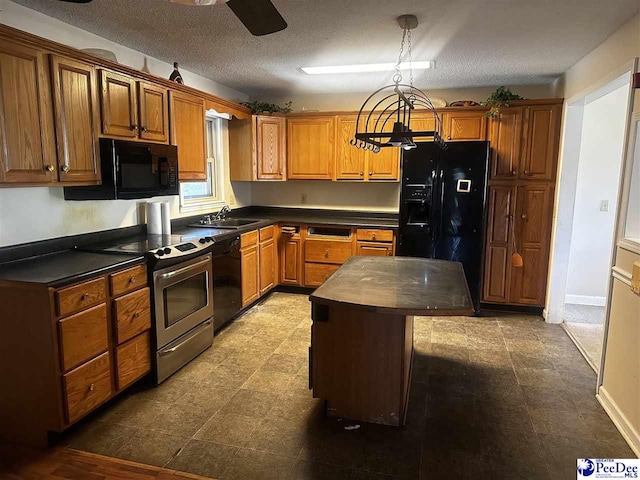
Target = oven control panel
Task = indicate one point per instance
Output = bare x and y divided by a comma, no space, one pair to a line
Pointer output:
186,248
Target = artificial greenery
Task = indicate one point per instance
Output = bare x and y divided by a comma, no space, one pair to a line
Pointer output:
262,107
498,99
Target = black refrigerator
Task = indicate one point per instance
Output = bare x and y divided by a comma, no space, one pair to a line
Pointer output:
443,206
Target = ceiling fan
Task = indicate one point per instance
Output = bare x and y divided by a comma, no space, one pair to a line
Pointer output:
259,16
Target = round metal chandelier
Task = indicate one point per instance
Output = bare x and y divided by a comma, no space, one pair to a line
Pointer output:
392,105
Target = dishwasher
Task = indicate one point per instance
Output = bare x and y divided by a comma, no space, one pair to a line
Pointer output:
227,281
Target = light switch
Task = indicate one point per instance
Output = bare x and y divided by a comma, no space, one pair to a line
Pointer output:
604,205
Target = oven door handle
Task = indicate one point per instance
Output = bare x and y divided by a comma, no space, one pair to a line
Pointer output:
192,334
184,269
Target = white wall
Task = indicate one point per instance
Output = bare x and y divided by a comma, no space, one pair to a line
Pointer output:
382,197
592,233
38,213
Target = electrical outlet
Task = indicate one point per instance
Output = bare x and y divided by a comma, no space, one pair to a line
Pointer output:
303,198
604,205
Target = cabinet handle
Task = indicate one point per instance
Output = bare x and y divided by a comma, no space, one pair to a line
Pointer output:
514,172
65,168
92,387
370,173
448,137
280,173
85,297
526,172
132,280
136,315
144,129
326,253
134,127
373,237
524,216
361,174
49,168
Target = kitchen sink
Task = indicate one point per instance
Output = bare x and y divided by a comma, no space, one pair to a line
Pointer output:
231,223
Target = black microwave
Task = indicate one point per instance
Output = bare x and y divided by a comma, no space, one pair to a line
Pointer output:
132,170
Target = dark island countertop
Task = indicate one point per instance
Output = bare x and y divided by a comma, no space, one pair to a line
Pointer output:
398,285
63,268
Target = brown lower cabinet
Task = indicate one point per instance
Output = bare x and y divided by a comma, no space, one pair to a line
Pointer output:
73,349
519,219
258,259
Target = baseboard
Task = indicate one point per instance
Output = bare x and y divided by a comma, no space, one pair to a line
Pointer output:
628,432
585,300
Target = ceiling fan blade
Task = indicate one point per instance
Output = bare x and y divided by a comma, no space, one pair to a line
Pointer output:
76,1
259,16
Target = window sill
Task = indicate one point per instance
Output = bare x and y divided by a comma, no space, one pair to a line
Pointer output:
204,207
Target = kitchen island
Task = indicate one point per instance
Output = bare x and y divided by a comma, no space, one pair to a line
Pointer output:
362,333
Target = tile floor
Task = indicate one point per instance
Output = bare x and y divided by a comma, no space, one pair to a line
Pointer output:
505,397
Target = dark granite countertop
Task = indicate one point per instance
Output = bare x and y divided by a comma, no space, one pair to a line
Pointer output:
63,268
398,285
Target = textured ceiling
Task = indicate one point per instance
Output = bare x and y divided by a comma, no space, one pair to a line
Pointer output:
474,42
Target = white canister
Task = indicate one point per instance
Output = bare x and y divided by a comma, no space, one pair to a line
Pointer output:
154,218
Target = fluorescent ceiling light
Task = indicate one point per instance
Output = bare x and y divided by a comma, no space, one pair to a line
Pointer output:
369,67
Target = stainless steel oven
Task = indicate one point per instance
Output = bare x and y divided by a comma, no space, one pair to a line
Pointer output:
183,304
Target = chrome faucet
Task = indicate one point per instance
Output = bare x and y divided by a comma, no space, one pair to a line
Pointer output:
222,213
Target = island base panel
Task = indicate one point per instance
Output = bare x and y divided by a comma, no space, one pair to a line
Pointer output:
361,363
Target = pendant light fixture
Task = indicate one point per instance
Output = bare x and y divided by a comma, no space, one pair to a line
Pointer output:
384,120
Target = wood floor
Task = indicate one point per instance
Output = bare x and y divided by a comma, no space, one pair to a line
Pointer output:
17,462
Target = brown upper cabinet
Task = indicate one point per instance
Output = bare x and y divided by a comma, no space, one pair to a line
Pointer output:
77,120
133,110
310,147
464,125
258,148
354,163
541,136
27,146
505,132
187,117
153,108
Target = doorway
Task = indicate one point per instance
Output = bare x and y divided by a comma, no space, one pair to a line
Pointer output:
593,147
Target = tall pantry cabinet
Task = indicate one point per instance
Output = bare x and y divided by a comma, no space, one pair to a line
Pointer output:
524,153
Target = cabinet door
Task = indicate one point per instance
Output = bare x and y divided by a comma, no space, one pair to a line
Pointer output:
505,132
311,149
464,126
267,266
374,249
77,120
291,260
533,236
350,160
423,122
250,275
27,143
541,138
497,267
118,100
188,134
384,165
271,148
154,112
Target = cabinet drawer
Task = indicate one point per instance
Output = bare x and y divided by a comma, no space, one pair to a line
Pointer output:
128,280
87,386
81,296
133,314
133,360
266,233
371,249
326,251
316,273
249,239
83,336
373,235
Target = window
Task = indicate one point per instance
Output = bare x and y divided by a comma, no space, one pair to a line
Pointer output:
210,192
